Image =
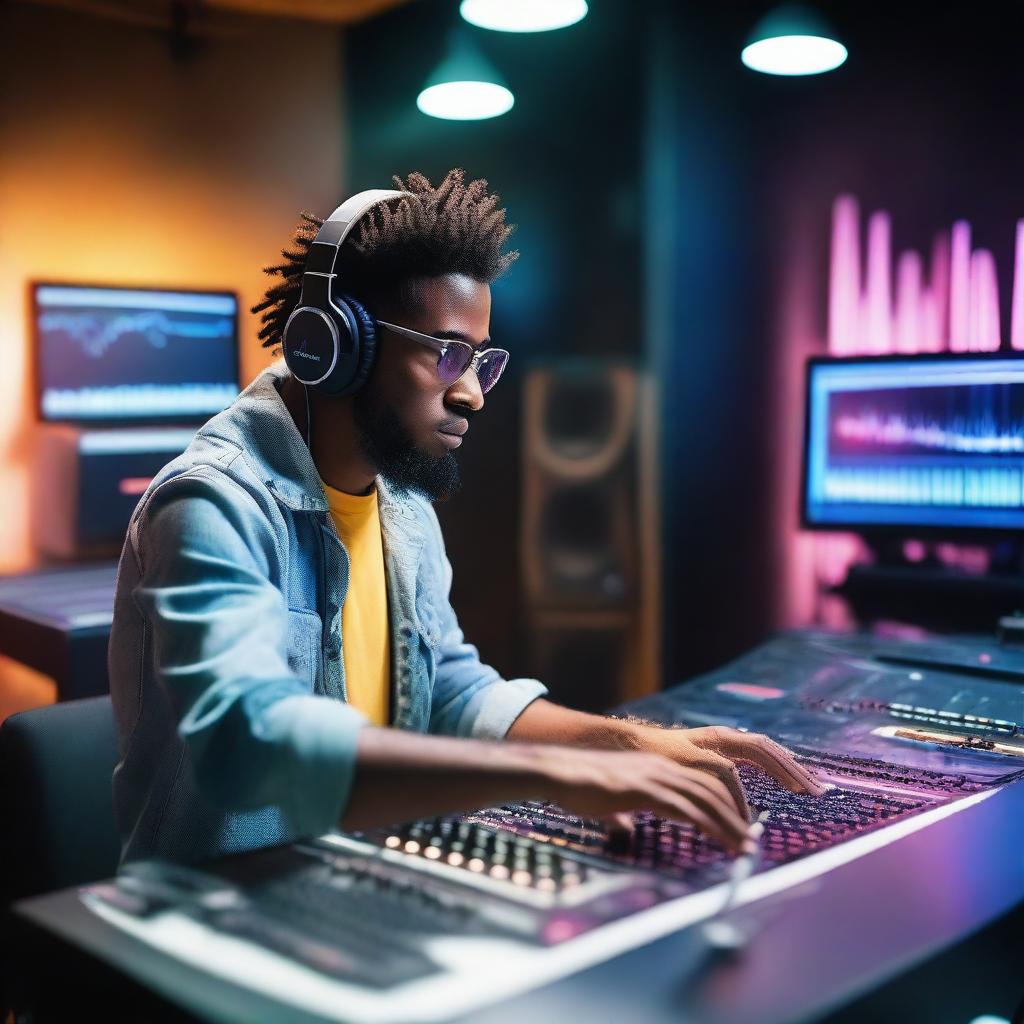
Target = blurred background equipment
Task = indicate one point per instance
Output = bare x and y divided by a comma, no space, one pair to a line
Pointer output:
589,535
122,359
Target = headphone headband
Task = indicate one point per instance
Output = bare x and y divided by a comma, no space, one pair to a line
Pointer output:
323,253
329,340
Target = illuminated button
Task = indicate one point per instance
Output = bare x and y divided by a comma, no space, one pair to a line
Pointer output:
499,871
455,858
412,846
475,864
570,879
546,884
520,877
392,842
432,853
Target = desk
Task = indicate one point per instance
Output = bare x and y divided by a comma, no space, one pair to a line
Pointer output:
816,945
58,622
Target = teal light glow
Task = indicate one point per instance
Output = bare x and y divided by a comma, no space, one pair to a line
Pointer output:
792,41
465,86
523,15
989,1018
465,101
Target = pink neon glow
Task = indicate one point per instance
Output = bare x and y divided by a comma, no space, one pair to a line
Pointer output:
960,287
952,305
936,303
844,283
878,301
908,303
983,333
1017,313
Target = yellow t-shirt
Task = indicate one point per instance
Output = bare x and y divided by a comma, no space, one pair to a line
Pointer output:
364,616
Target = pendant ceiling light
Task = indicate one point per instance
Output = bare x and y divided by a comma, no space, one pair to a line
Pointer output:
523,15
793,40
465,86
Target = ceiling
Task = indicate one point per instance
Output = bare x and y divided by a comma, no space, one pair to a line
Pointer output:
222,16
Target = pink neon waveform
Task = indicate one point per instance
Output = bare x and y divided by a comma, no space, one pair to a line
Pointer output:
895,431
951,306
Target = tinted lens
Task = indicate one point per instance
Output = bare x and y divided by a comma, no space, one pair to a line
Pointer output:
490,366
454,362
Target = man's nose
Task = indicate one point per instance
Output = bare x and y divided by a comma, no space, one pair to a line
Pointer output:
466,392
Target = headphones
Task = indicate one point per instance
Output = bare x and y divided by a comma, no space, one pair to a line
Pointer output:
330,339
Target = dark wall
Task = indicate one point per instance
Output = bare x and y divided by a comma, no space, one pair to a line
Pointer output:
673,203
566,162
921,121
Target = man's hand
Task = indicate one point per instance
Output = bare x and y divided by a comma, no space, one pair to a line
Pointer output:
713,751
717,749
613,784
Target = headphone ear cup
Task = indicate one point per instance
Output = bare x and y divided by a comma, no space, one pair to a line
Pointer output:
367,343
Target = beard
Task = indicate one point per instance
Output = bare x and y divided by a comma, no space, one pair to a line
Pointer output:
404,467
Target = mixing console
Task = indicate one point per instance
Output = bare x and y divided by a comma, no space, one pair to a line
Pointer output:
872,794
389,913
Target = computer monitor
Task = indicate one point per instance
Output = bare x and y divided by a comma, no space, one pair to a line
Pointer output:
908,444
131,355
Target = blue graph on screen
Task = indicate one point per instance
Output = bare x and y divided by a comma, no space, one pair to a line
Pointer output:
95,334
113,353
925,442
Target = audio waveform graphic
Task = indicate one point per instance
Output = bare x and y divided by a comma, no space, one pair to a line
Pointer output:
962,436
946,486
139,401
94,335
951,304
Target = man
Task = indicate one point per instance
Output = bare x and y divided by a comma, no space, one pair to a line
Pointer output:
284,658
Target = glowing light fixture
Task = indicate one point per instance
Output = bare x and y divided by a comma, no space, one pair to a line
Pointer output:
792,40
465,86
523,15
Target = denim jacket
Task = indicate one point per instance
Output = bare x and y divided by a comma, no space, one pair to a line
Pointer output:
225,658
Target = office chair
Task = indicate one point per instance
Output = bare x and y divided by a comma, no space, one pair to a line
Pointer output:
56,807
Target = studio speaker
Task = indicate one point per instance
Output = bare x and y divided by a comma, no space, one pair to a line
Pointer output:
589,532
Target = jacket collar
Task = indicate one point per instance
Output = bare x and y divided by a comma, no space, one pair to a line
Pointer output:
260,424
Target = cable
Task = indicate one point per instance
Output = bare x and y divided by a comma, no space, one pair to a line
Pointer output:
309,425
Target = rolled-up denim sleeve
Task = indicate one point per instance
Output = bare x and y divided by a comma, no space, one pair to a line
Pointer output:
255,735
470,698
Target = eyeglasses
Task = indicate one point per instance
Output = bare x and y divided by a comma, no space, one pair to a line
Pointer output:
456,357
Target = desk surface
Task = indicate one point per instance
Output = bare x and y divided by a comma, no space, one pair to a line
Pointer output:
67,598
57,621
815,945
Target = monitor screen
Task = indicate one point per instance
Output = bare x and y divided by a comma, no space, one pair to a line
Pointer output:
929,442
134,355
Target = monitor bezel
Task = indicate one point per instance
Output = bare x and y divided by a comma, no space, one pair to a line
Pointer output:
891,531
35,284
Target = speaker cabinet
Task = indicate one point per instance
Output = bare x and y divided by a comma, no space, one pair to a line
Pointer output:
589,532
87,482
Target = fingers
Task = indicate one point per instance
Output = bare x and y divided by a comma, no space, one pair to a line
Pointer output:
726,776
619,823
726,825
768,755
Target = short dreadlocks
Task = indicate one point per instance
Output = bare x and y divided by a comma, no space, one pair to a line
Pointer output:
452,229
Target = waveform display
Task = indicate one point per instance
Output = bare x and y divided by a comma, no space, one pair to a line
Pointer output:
109,353
930,442
95,334
923,485
136,402
982,420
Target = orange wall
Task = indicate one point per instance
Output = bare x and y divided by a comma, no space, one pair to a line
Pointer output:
122,164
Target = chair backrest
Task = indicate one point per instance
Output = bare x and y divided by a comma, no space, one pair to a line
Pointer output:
56,803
